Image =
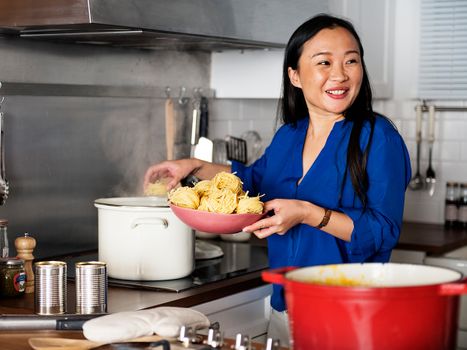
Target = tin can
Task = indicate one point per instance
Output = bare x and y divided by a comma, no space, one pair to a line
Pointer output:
50,288
91,287
12,277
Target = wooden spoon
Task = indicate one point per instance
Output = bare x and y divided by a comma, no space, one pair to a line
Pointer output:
48,343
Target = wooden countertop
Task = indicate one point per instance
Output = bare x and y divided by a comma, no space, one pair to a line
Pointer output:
430,238
434,239
128,299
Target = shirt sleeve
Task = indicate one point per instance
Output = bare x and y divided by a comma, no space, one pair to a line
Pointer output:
377,227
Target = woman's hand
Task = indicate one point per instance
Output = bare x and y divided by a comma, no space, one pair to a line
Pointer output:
287,213
174,170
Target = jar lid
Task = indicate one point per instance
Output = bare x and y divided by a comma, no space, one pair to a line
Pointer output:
3,222
11,261
452,183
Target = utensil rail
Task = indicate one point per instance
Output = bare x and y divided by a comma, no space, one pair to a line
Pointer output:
84,90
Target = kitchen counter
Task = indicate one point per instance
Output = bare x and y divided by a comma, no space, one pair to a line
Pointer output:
129,299
433,239
429,238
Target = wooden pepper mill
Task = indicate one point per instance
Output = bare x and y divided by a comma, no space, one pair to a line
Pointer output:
24,247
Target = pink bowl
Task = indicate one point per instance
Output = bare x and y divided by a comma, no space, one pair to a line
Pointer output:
213,222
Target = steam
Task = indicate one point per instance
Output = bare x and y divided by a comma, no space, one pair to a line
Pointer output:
133,138
133,141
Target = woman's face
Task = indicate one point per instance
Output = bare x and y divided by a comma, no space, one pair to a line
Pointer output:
329,72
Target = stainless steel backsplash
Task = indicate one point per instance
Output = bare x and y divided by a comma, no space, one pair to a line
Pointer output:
64,152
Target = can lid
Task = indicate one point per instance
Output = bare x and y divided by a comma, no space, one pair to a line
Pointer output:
3,222
11,261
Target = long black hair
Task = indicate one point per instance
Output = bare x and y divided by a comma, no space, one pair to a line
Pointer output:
292,106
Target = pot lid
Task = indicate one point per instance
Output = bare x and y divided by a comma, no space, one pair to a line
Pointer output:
152,201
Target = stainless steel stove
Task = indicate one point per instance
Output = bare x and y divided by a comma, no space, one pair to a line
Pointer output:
238,259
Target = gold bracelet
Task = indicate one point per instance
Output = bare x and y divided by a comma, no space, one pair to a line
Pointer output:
326,217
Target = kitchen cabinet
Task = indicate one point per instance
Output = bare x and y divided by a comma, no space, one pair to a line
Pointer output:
258,74
246,313
374,22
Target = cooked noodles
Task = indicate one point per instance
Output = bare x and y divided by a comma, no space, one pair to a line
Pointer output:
222,201
249,205
224,180
185,197
158,188
222,194
203,187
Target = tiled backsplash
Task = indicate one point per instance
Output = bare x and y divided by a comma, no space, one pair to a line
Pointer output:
232,116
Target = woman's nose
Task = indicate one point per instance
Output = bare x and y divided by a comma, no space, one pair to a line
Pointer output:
338,73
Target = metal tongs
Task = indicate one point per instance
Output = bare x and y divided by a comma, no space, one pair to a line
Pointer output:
4,186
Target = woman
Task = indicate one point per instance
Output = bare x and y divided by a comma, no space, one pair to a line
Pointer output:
335,173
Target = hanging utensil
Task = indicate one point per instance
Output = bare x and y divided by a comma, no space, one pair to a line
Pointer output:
4,186
169,128
430,179
203,118
417,181
236,149
195,124
204,146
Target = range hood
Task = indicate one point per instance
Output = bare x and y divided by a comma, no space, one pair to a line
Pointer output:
159,24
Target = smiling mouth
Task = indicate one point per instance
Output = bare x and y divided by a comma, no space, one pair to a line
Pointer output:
336,92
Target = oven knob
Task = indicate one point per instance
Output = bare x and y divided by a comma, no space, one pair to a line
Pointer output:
186,335
214,339
273,344
242,342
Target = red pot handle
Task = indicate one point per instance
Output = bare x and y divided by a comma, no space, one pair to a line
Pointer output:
276,276
454,288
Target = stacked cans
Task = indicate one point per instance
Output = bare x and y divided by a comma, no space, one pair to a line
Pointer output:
51,287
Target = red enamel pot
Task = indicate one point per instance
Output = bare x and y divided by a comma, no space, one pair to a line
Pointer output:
371,306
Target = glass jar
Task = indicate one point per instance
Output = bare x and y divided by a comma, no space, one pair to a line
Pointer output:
4,248
462,211
12,277
451,204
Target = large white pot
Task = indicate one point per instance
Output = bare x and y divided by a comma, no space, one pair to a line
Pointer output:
141,239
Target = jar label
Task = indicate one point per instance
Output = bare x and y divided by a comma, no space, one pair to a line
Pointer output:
19,281
450,212
463,214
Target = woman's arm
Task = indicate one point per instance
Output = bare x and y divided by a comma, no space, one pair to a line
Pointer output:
176,170
291,212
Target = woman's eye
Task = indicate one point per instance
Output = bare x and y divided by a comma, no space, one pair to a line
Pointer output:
353,60
323,63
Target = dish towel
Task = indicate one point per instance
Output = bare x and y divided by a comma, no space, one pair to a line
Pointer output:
163,321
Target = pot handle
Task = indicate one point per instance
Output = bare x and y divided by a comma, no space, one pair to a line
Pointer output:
149,221
276,276
454,288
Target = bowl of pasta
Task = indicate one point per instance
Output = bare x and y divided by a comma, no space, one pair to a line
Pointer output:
218,223
217,206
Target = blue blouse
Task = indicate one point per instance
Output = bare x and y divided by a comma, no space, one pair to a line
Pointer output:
376,229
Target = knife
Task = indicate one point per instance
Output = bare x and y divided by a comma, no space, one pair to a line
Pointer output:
38,322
